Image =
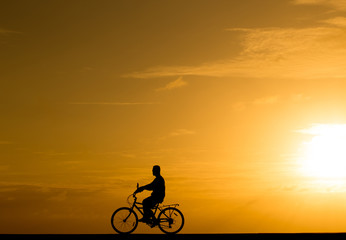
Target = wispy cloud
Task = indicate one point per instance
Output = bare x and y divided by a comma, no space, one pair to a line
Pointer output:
268,100
54,153
128,155
299,97
239,106
173,85
274,53
336,4
325,129
178,133
7,32
113,103
337,21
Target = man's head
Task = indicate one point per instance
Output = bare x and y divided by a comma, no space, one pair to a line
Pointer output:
156,170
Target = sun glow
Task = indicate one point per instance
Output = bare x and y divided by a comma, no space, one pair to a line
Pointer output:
325,154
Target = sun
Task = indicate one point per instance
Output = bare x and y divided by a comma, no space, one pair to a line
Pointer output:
325,154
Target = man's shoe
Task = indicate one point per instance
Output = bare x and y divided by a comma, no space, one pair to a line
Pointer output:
155,222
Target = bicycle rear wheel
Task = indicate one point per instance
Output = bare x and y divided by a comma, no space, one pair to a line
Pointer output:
124,220
171,220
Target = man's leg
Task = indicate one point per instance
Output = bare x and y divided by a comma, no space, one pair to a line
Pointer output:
147,205
152,215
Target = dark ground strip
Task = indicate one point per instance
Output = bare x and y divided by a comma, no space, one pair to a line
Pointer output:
259,236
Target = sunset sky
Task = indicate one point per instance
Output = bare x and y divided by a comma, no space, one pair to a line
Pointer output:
241,102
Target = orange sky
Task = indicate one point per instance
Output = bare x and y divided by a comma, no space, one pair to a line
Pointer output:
220,94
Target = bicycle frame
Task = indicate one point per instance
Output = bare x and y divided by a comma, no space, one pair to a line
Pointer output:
156,207
140,209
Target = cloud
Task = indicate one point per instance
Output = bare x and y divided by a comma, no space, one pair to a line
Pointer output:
181,132
336,4
128,155
87,69
337,21
113,103
268,100
299,97
173,85
273,53
53,153
38,206
239,106
325,129
177,133
6,32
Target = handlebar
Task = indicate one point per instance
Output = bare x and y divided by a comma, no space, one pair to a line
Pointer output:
133,195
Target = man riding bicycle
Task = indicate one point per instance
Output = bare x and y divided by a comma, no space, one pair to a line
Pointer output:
157,196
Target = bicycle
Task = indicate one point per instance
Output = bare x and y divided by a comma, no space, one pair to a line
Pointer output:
170,220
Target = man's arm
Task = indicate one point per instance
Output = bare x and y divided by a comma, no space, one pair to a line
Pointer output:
149,186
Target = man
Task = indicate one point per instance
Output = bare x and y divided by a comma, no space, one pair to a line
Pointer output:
157,196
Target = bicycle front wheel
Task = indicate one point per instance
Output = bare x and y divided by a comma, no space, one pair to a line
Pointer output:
171,220
124,220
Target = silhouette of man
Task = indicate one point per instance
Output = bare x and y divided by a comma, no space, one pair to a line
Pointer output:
157,196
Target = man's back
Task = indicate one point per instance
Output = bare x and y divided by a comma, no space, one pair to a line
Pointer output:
158,187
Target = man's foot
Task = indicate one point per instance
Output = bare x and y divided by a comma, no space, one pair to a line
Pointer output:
155,222
143,220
